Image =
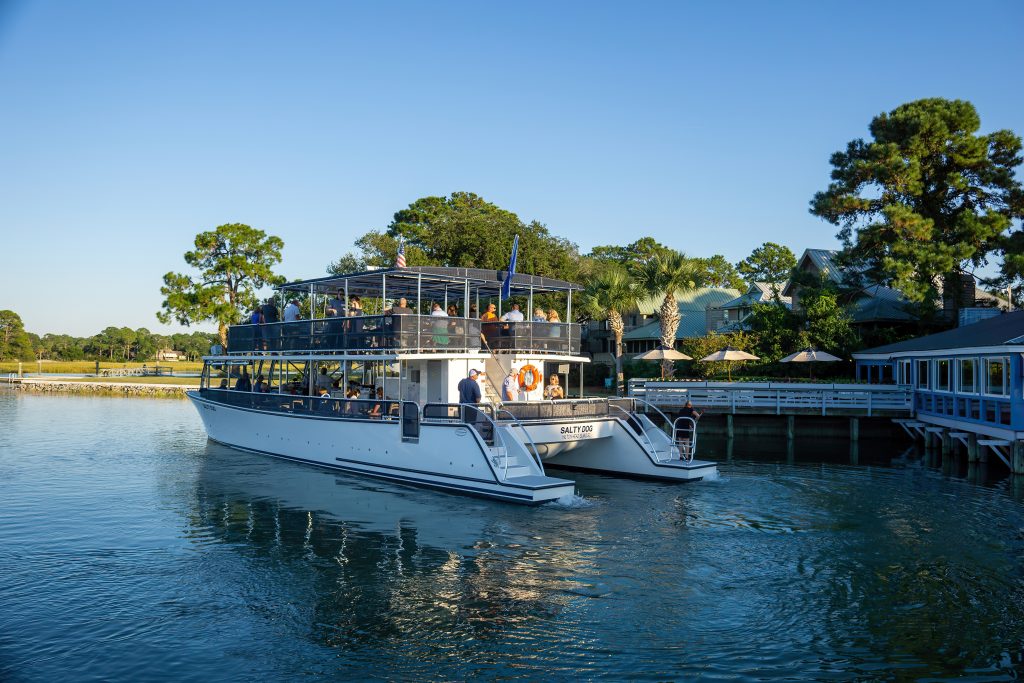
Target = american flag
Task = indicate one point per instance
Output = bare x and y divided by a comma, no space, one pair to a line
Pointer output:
400,259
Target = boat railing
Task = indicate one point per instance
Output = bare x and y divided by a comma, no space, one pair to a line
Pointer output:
684,436
533,446
329,407
526,411
637,426
532,337
364,333
479,417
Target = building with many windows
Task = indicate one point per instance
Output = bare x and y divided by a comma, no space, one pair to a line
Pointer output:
968,378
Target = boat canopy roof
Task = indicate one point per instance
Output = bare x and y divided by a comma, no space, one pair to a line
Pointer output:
429,281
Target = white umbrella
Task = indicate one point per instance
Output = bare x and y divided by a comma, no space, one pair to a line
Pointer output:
661,353
729,354
810,355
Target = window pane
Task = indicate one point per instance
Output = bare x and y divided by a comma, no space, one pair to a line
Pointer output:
922,374
942,375
967,376
995,377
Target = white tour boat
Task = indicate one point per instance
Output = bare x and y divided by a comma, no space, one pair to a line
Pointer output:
369,384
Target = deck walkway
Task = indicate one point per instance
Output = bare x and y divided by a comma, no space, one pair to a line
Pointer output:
776,398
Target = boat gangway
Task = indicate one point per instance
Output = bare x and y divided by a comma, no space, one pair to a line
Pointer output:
778,398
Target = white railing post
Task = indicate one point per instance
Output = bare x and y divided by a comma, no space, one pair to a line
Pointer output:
870,395
778,402
823,403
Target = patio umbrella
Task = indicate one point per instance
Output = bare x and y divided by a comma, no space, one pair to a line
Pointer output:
729,354
810,355
661,353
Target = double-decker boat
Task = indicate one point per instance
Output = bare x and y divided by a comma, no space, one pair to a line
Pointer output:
370,384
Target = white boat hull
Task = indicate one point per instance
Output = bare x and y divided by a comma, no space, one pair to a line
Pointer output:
611,445
449,457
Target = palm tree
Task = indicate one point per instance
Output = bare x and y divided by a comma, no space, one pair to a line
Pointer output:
664,274
609,294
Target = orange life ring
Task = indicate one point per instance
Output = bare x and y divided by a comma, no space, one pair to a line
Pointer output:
535,377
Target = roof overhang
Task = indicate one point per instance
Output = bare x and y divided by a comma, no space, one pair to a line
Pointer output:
932,353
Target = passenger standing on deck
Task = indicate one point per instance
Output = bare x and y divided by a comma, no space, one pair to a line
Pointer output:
690,412
490,314
291,311
553,391
510,387
336,306
270,312
514,316
469,390
538,316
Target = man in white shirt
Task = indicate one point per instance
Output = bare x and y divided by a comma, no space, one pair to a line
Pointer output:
515,315
510,387
291,311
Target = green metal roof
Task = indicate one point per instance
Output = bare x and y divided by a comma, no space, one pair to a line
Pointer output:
692,305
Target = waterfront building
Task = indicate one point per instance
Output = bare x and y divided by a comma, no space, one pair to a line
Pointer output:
732,315
693,310
967,379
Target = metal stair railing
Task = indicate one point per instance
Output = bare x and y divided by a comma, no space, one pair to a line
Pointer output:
533,446
643,433
494,428
685,438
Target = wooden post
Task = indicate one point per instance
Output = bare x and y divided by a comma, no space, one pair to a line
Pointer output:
790,427
1018,457
854,430
947,443
729,426
972,447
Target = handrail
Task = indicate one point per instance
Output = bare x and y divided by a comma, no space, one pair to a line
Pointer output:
643,433
651,405
494,427
533,446
494,357
692,447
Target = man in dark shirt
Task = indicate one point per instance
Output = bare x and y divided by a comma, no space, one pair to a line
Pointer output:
269,310
469,390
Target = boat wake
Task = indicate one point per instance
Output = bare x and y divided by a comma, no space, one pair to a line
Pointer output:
573,502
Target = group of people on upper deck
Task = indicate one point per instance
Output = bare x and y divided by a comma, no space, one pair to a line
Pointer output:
267,312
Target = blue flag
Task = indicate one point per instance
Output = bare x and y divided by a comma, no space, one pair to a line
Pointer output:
506,286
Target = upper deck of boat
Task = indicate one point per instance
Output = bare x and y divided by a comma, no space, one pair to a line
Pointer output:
376,329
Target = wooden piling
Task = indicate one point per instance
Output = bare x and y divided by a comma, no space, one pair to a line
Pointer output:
854,429
790,427
947,443
1018,457
972,447
729,433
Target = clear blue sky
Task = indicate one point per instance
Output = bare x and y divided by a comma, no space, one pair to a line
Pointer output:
128,127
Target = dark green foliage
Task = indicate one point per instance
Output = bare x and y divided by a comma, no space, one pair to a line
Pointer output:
15,343
772,263
234,261
928,197
464,230
716,271
776,329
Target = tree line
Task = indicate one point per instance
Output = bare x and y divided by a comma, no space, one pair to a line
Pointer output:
112,344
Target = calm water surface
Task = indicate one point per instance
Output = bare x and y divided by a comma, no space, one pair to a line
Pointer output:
131,548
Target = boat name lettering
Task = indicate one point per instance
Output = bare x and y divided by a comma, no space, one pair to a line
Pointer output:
576,431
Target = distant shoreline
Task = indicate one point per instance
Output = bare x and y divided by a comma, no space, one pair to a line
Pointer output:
114,389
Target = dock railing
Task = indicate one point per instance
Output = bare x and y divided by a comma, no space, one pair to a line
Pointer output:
778,397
